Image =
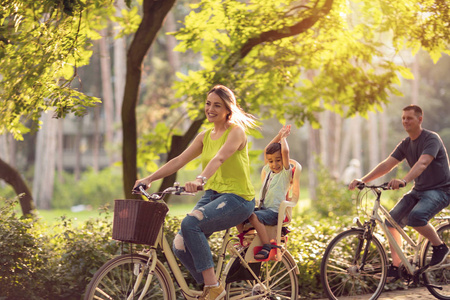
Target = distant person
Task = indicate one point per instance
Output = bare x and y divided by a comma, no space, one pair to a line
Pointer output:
229,196
427,157
276,177
352,171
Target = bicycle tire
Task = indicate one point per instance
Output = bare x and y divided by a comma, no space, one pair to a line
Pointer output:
437,277
279,277
116,278
340,267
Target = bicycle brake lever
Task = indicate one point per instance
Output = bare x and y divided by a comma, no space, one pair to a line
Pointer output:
360,185
138,189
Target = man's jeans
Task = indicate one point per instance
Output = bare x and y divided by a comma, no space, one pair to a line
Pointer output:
220,212
416,208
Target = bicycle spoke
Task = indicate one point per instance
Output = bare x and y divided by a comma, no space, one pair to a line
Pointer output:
117,279
342,277
437,280
278,281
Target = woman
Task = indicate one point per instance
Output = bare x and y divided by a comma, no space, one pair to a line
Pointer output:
229,196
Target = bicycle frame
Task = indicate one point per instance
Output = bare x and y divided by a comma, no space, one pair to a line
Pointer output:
416,246
188,293
235,253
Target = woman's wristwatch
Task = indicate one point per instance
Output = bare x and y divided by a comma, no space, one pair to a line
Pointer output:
404,181
203,178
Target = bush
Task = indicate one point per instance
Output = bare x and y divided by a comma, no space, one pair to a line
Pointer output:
77,255
39,262
308,240
59,262
22,256
333,197
50,263
93,188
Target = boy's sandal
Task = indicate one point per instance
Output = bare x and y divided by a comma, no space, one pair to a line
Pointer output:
265,251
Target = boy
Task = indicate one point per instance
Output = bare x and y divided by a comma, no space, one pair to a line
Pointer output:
276,176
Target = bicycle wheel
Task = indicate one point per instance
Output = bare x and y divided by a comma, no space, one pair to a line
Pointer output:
341,271
279,278
438,278
118,277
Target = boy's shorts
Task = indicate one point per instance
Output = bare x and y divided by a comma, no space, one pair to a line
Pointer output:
267,216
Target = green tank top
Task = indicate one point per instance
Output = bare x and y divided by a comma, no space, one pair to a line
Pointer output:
233,176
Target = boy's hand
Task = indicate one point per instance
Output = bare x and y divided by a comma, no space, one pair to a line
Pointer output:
285,131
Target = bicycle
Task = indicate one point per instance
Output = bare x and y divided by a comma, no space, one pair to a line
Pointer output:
355,262
144,276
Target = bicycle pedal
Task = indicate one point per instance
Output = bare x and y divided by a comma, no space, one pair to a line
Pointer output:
421,270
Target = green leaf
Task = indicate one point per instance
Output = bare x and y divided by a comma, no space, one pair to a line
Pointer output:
406,73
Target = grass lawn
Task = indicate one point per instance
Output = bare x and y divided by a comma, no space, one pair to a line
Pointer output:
53,216
179,210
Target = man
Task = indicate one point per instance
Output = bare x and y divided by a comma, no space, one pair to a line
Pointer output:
427,157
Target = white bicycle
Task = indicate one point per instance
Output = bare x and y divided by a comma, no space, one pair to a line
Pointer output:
355,262
144,276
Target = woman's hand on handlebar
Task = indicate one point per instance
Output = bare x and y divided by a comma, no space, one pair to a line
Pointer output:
193,186
139,182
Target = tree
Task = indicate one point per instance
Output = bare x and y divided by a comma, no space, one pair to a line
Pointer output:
12,177
263,50
154,12
44,169
41,45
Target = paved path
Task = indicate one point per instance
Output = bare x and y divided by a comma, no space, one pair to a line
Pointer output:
410,294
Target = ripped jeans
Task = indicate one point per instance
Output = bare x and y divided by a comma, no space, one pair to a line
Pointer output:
220,212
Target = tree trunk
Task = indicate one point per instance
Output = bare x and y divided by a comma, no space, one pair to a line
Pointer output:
374,145
313,153
107,91
4,149
44,172
384,133
345,146
171,42
179,143
335,129
120,56
78,135
96,143
324,132
12,177
357,139
12,144
154,12
60,150
415,82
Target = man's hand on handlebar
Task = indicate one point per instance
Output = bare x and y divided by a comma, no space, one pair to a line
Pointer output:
355,183
395,184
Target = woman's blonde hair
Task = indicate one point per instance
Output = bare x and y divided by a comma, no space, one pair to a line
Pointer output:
237,115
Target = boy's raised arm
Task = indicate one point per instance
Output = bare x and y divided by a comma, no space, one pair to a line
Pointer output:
285,146
281,138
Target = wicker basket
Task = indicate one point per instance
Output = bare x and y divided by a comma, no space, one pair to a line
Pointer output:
138,221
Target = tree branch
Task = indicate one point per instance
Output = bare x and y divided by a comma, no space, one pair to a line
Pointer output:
273,35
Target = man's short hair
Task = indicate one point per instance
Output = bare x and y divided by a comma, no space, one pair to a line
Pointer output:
273,148
415,108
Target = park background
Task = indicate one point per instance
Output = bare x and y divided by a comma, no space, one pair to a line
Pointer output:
341,80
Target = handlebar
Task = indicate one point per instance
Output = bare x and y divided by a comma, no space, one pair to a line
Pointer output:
174,190
383,186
